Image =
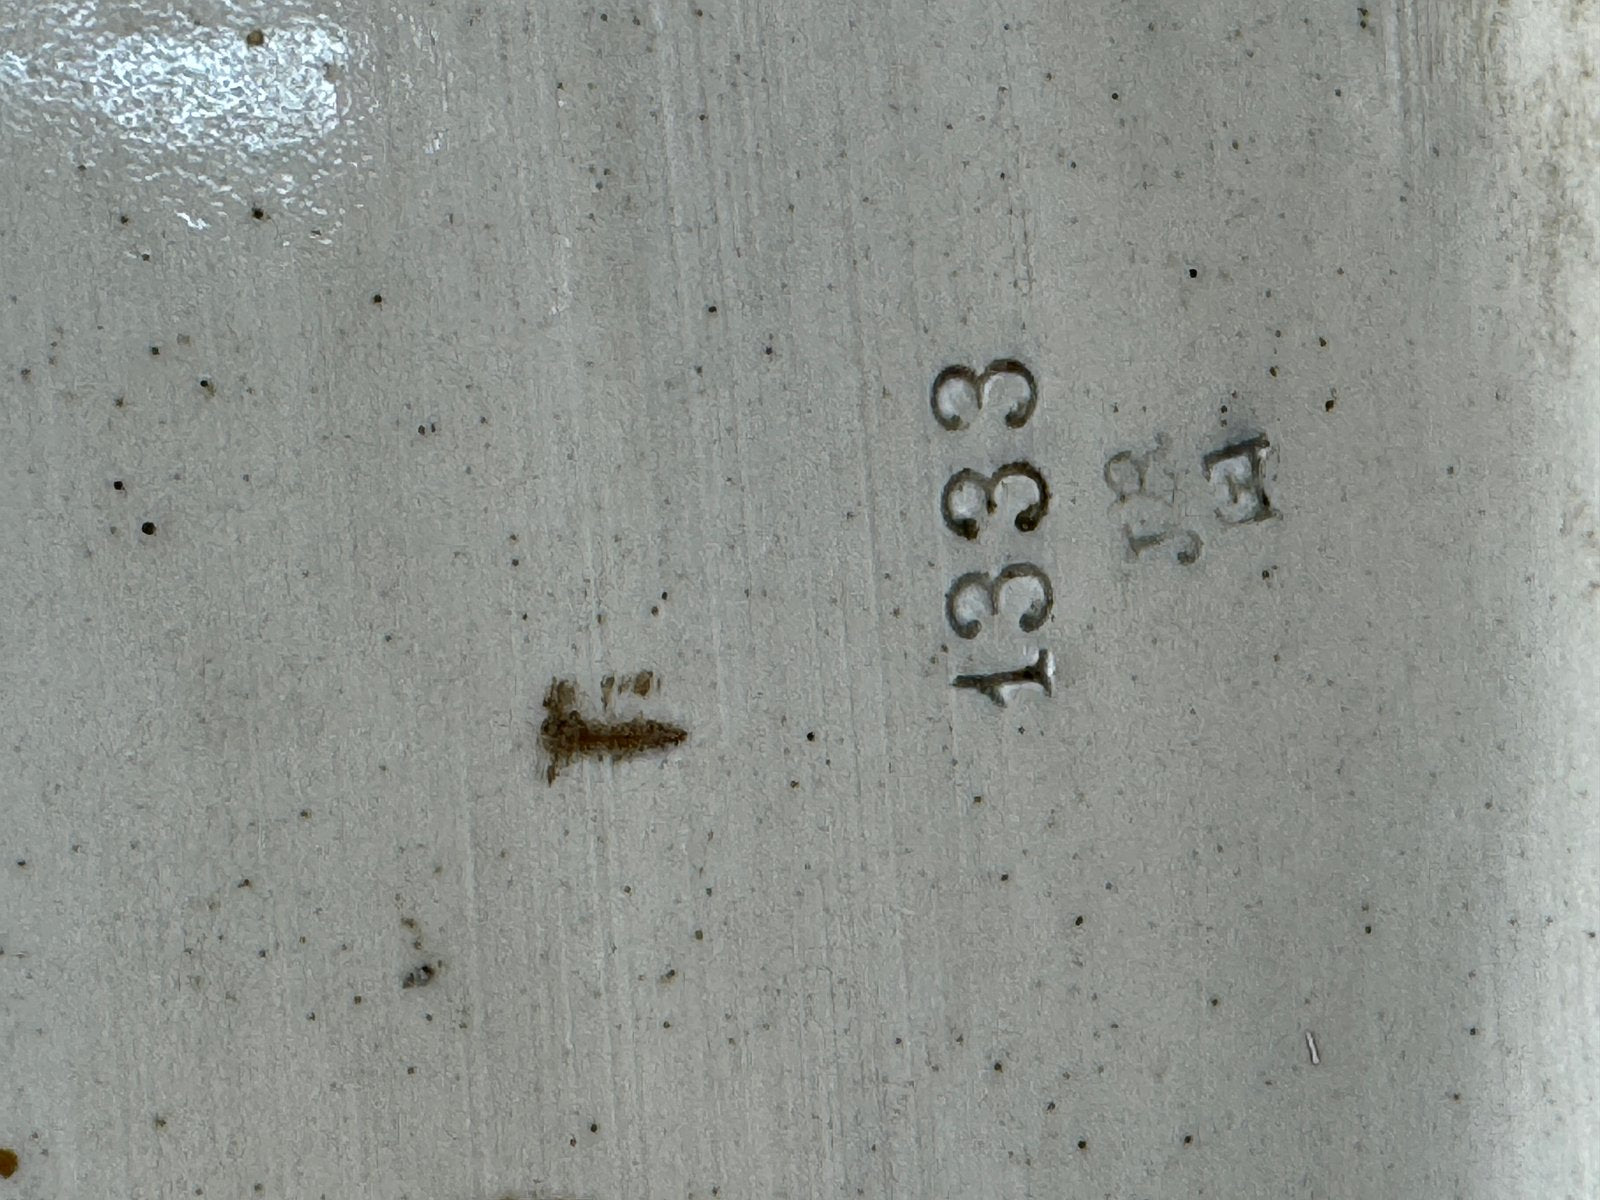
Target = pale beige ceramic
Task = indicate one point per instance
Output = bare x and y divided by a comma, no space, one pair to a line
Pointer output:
369,371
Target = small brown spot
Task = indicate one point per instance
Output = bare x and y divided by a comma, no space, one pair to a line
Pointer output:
642,683
8,1163
255,38
420,976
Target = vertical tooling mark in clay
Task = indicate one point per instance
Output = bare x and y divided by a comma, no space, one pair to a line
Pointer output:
203,109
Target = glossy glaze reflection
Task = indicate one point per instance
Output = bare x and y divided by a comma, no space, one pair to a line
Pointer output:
199,110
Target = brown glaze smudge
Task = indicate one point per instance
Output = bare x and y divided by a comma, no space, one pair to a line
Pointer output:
568,735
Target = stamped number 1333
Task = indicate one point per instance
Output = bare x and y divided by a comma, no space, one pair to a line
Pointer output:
984,506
